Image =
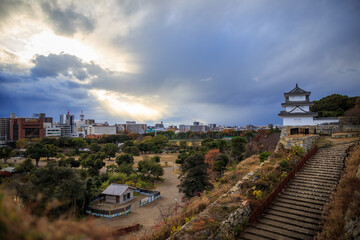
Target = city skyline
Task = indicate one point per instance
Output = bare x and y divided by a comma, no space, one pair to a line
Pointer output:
227,63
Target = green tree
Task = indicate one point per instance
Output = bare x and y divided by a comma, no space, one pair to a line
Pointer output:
95,147
93,163
126,144
193,177
238,147
156,158
181,158
72,162
124,158
36,151
51,151
49,183
5,153
134,150
183,144
160,140
26,166
333,105
220,163
110,149
149,168
21,143
125,168
79,142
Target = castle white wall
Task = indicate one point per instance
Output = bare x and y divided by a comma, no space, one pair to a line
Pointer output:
293,121
297,98
305,108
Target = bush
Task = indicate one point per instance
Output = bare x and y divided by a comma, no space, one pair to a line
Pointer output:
124,158
297,150
134,150
156,158
284,164
264,156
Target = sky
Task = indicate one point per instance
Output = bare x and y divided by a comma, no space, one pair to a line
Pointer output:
226,62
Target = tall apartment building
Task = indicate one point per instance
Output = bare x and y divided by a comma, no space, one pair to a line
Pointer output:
26,128
4,129
67,119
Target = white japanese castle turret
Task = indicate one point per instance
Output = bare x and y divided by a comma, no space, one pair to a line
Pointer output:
297,108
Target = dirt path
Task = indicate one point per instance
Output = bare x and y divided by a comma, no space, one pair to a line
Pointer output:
150,214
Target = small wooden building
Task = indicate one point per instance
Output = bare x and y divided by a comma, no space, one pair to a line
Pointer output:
118,193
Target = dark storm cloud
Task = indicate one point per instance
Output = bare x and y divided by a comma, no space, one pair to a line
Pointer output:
67,21
252,51
227,62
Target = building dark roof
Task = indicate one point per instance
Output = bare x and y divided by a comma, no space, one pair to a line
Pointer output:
297,91
297,114
116,189
293,103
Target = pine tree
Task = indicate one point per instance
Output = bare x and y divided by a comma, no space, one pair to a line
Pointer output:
194,178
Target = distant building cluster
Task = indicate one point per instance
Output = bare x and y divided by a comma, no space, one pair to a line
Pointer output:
40,125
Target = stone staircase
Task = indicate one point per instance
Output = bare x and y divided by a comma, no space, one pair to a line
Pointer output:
296,213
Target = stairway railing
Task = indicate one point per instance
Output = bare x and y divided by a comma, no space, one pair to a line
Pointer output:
271,197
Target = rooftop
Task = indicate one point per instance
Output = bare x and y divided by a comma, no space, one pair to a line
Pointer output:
297,91
116,189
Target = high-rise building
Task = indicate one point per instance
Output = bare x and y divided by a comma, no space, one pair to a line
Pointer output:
4,129
26,128
67,119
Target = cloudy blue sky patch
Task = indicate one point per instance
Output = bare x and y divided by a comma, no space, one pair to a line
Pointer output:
226,62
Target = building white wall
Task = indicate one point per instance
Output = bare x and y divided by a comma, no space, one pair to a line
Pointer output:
300,121
101,130
297,98
52,132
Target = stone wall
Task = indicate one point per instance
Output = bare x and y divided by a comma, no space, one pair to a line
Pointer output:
237,218
306,142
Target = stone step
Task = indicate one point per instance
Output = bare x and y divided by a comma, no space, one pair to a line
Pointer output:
251,236
289,227
293,222
324,168
292,216
282,231
319,176
264,234
321,170
298,212
316,180
309,188
308,192
312,184
305,198
323,173
308,181
286,203
325,164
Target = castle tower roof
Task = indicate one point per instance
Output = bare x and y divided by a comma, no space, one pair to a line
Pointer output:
297,91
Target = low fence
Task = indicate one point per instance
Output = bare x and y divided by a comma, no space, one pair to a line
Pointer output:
152,196
109,213
266,203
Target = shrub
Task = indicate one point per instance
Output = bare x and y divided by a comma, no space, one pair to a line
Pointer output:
156,158
264,156
284,164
